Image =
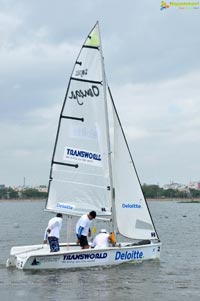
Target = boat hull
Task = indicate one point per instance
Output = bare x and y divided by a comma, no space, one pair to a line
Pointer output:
38,257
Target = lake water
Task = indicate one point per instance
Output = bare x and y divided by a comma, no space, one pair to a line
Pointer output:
175,277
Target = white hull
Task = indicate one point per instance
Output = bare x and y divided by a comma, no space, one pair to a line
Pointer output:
37,257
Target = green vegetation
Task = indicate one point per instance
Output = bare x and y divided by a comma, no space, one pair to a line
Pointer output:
156,192
33,193
10,193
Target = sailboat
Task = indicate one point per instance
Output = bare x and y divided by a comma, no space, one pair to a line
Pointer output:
92,169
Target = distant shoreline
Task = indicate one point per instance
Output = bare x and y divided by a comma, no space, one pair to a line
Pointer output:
184,200
23,200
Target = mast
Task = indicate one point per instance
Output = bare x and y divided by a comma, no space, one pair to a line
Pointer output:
111,188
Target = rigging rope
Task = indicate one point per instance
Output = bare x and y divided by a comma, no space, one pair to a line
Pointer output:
69,230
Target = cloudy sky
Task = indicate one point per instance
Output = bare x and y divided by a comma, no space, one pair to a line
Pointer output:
152,65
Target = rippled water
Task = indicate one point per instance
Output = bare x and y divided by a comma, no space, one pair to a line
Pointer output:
175,277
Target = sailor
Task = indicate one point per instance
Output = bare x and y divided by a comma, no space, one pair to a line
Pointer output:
83,229
52,232
103,240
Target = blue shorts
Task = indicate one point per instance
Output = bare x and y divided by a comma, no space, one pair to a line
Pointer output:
53,244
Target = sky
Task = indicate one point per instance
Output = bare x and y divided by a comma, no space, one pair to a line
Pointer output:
152,65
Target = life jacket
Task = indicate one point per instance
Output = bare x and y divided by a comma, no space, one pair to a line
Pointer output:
112,238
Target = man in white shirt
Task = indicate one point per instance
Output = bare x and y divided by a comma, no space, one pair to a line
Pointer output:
101,240
52,232
83,229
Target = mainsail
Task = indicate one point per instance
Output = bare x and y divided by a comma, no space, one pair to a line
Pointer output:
80,172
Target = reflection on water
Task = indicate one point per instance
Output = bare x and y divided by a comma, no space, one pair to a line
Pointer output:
175,277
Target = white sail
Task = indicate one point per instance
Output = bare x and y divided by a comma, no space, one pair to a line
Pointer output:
79,178
132,215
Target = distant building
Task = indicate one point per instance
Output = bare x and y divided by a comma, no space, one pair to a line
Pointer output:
194,185
42,188
176,186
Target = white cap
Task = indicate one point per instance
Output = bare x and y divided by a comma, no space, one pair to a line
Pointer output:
103,231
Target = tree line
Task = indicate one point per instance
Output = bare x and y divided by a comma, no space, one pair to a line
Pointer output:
150,191
10,193
154,191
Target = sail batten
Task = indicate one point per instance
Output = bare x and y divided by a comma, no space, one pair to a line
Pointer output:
91,47
86,81
65,164
73,118
84,184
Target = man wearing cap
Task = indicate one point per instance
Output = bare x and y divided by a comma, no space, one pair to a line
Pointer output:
83,229
102,240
